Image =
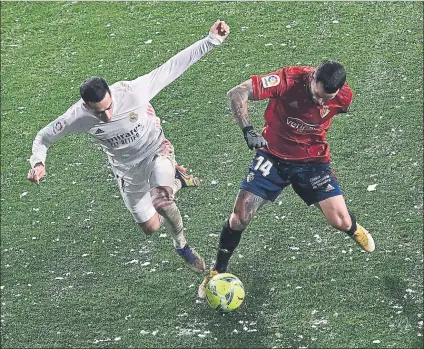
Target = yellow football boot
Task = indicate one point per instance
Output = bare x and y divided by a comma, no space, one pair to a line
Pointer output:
201,292
363,239
186,179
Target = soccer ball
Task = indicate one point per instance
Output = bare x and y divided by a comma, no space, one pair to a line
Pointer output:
224,292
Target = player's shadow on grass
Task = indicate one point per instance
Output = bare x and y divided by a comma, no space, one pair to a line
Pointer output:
396,289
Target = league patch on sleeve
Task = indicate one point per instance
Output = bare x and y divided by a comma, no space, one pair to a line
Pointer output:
270,80
58,126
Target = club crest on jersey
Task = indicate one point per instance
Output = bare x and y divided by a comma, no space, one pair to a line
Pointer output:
133,116
58,126
324,111
250,177
270,80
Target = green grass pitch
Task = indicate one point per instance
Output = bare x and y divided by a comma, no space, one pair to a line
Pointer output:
76,272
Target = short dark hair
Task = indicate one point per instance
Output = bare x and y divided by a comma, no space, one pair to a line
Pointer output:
94,89
332,75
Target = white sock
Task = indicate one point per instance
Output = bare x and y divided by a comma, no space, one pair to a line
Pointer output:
179,240
174,225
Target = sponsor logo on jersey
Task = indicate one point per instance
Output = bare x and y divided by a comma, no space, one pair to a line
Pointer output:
125,138
250,177
99,131
58,126
324,110
133,116
270,80
301,125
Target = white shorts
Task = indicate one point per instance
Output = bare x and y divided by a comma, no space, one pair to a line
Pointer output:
155,171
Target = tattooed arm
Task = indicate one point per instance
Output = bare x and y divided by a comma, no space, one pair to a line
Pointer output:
238,98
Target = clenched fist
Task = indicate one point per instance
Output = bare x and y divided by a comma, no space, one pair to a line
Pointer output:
37,173
218,32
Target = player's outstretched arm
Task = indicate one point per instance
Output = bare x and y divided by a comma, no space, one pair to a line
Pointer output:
66,124
45,137
151,84
239,97
41,144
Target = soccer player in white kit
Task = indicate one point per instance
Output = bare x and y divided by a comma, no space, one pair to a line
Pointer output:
123,121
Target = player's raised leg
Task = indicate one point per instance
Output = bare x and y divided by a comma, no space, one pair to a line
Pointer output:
162,181
163,202
335,210
246,206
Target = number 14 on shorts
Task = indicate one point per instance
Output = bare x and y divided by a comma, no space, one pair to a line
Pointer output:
264,167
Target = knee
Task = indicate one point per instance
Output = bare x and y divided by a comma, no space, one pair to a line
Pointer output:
341,222
164,206
150,227
162,200
239,221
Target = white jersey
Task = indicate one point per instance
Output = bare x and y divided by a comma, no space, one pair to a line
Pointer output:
135,132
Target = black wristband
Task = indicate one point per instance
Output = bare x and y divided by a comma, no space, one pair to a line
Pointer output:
247,129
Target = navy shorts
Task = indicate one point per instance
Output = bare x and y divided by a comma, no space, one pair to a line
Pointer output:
268,176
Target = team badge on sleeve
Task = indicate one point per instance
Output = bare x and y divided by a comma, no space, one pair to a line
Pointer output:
58,126
270,80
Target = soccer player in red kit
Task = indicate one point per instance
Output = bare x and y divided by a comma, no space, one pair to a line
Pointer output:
292,149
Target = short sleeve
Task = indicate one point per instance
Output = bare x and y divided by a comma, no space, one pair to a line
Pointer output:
270,85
